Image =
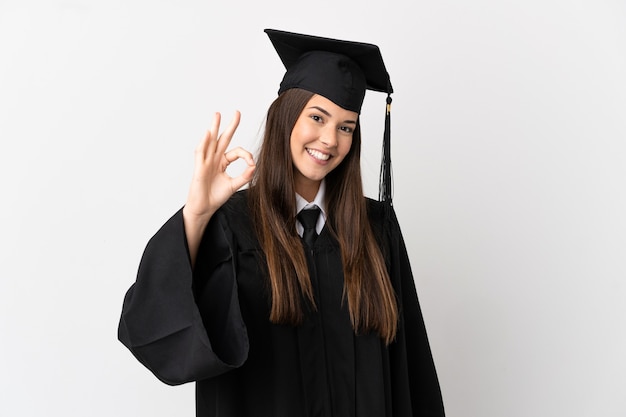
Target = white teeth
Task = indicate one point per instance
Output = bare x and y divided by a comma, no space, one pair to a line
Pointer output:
318,155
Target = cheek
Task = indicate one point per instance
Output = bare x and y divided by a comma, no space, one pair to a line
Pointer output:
344,146
294,138
298,136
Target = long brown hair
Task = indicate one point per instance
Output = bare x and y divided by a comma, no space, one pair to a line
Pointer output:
367,286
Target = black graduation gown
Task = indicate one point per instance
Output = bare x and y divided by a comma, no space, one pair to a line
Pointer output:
212,326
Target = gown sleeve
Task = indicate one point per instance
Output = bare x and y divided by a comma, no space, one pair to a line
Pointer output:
414,377
161,322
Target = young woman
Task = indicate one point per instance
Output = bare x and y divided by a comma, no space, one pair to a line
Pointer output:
229,296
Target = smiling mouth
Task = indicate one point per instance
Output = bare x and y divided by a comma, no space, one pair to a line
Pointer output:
318,155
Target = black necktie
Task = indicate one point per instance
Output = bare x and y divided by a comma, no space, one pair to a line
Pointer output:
308,218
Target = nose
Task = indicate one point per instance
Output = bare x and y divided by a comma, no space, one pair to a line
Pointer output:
329,137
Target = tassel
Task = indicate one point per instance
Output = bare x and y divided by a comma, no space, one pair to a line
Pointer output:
385,188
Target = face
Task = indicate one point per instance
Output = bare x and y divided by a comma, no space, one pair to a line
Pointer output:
320,140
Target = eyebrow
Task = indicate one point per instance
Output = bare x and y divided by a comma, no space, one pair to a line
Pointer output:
321,109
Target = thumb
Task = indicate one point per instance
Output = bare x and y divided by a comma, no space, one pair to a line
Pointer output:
244,178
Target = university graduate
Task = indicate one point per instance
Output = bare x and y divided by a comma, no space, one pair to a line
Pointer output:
292,296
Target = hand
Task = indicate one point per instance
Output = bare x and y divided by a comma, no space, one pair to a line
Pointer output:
211,186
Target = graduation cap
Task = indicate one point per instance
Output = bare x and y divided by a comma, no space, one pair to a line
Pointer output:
341,71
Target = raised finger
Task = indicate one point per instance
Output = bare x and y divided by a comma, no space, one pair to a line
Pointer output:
203,145
227,134
211,141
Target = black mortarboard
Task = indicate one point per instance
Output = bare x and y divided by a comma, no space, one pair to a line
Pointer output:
341,71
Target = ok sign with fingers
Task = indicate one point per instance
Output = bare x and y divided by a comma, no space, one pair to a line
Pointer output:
211,186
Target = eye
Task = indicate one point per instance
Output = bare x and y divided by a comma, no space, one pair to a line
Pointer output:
346,129
317,118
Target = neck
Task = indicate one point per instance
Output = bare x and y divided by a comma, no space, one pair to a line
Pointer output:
307,189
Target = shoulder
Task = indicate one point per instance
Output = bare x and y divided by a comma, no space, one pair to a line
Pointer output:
237,204
375,209
235,218
380,214
383,221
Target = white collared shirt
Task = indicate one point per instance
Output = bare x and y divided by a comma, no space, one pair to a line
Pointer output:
318,201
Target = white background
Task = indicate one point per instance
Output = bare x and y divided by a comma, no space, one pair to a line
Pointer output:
509,129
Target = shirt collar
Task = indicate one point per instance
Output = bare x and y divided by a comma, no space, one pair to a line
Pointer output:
319,201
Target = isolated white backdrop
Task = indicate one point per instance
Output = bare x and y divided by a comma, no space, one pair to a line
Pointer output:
509,129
